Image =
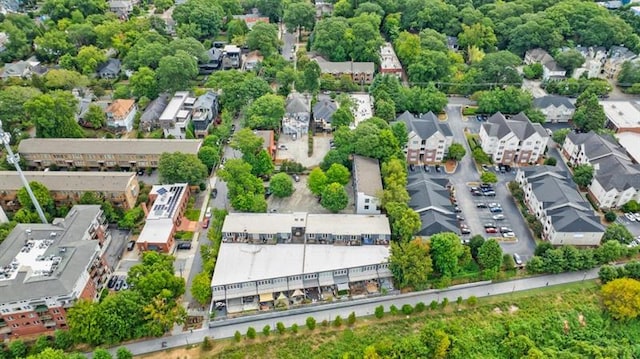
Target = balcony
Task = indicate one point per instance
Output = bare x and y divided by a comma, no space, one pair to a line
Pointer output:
41,309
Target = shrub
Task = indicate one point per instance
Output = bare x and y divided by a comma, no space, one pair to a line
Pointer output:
351,320
610,216
407,309
237,336
294,328
550,161
206,344
266,330
251,333
379,311
433,305
338,321
459,300
325,323
420,307
393,310
472,300
445,302
311,323
280,327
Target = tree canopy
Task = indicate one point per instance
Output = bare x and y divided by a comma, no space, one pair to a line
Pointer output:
181,167
410,263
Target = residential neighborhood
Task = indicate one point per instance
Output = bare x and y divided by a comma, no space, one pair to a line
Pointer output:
260,178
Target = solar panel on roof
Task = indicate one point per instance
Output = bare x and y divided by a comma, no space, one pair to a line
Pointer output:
162,191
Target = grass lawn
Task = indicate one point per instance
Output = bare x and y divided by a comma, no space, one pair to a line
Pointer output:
552,321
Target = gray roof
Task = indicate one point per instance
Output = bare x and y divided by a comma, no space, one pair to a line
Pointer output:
297,103
576,221
346,67
111,66
552,100
155,108
426,125
324,109
367,173
618,173
76,256
597,146
543,57
214,54
500,126
111,146
434,222
429,194
69,181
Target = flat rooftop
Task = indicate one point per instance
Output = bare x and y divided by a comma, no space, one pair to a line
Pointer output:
156,231
46,260
168,200
631,143
388,58
69,181
107,146
367,174
175,104
623,114
238,263
342,224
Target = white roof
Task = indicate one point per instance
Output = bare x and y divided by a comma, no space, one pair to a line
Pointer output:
175,104
388,57
631,142
168,201
156,231
623,114
263,223
238,263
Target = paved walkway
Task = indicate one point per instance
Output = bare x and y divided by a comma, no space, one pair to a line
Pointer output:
227,328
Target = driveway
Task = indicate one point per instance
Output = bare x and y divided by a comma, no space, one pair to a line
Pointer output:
289,41
302,200
298,150
466,174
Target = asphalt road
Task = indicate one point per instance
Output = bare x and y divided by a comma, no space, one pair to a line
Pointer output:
361,308
467,173
289,41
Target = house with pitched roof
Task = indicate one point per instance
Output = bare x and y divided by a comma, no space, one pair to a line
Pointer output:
150,118
367,184
323,110
110,69
513,140
555,108
566,217
205,111
23,69
297,114
550,68
360,72
429,139
431,199
120,114
616,178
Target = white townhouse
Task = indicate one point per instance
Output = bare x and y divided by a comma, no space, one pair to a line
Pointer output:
429,139
513,140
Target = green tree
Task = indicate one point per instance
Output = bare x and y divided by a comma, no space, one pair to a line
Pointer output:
41,193
607,273
610,216
621,297
317,181
54,115
338,173
264,38
266,330
89,58
510,100
206,344
205,17
490,255
569,60
123,353
478,35
191,46
144,83
631,206
583,175
237,336
560,135
456,152
53,44
265,113
489,177
246,191
62,339
251,333
329,38
280,328
247,142
201,288
550,161
176,71
446,249
311,323
342,117
617,232
410,264
101,354
386,110
64,79
209,156
95,117
507,262
310,79
300,15
236,28
12,100
180,167
533,71
405,222
334,197
589,115
281,185
474,244
238,88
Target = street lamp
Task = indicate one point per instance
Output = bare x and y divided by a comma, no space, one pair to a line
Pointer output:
14,159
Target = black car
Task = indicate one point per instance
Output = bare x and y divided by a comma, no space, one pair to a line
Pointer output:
214,193
118,285
131,245
184,245
233,128
426,168
486,185
465,231
112,282
457,209
412,168
267,192
481,205
438,169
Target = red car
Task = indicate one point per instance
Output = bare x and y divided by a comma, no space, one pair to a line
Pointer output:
491,230
205,223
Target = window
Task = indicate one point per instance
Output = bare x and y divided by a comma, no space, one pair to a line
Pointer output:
366,207
56,311
311,236
366,200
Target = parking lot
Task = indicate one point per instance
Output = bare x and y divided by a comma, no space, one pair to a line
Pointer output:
632,226
298,150
302,200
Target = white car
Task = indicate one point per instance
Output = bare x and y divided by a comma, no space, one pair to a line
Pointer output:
208,213
630,217
509,235
498,217
637,215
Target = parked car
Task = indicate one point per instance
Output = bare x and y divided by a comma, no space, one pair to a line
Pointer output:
496,168
485,167
118,285
205,223
457,209
459,218
505,230
233,127
426,168
208,213
296,177
494,204
474,189
637,215
465,231
517,259
267,192
412,168
630,217
491,230
495,209
476,193
498,217
438,168
489,193
282,147
508,235
125,285
131,245
112,282
481,205
486,185
214,193
489,225
184,245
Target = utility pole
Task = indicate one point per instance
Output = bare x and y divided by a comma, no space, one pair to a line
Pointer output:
14,159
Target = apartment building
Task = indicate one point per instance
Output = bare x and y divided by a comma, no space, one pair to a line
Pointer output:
46,268
431,198
205,112
429,139
513,140
389,63
100,154
360,72
164,216
618,55
550,68
367,184
336,229
566,217
253,277
120,114
177,115
555,108
119,188
622,116
616,178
